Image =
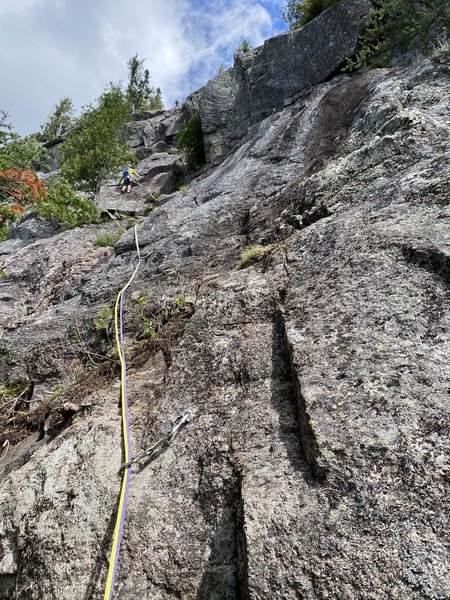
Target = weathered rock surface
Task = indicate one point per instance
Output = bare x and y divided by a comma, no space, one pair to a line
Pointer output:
159,173
317,462
270,77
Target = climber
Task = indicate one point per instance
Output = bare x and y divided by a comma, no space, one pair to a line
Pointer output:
127,178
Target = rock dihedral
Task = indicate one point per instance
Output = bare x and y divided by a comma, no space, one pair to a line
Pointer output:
316,465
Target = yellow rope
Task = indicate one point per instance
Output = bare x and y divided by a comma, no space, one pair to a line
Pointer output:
125,432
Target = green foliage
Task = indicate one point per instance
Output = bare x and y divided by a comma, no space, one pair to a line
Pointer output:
243,46
13,393
96,149
149,327
59,121
106,239
440,46
177,306
252,254
299,12
139,92
17,152
103,318
65,205
56,394
3,273
190,139
183,189
394,25
152,316
3,352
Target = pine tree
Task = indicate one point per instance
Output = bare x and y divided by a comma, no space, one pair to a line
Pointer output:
59,121
141,95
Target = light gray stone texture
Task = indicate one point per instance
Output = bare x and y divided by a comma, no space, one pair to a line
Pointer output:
316,463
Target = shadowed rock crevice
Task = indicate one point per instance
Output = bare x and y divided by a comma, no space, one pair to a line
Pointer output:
301,421
283,390
225,576
432,260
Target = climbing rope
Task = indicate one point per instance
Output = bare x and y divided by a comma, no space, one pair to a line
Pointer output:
162,441
126,477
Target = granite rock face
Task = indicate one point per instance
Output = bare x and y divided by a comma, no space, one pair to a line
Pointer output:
270,77
316,464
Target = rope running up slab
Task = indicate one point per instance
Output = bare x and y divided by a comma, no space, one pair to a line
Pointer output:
126,477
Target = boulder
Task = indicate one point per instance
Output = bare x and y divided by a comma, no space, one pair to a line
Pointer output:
111,200
34,227
158,163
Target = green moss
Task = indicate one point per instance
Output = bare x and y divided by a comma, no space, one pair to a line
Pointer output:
252,254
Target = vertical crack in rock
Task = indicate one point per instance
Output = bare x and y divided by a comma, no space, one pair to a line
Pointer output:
301,417
241,545
225,576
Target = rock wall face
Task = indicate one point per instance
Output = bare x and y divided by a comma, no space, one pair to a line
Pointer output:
316,464
268,78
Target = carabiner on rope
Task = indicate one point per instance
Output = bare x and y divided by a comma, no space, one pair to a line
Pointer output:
164,439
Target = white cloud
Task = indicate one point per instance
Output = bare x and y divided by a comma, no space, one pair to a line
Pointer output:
59,48
185,42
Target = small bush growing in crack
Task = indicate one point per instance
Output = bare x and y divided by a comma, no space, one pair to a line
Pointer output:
149,327
252,254
151,316
178,304
102,319
13,395
105,240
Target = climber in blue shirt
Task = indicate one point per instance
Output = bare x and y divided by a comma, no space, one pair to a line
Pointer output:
127,178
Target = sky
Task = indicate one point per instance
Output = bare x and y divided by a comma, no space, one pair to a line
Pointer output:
50,49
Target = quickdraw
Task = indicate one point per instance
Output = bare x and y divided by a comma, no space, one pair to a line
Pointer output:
164,440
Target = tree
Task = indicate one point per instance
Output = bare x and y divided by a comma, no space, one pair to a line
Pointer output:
141,95
95,150
299,12
190,139
396,25
65,205
19,186
59,121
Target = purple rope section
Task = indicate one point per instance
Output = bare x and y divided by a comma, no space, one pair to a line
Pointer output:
125,389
